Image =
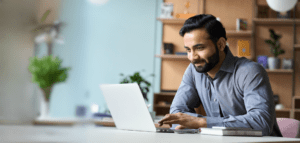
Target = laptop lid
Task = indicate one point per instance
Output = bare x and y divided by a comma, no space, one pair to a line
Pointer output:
127,107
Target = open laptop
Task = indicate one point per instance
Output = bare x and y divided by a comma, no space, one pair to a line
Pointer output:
128,108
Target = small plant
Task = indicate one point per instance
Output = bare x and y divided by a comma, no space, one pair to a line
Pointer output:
274,44
46,72
137,78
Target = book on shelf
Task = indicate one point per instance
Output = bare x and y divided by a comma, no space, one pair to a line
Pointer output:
231,131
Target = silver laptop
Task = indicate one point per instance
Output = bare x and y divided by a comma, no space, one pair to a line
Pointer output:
128,108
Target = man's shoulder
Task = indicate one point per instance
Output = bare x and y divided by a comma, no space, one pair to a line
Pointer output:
244,65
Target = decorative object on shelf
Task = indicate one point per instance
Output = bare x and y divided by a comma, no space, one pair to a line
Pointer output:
262,12
166,10
279,106
243,48
241,24
276,99
181,53
185,14
263,60
281,5
168,90
46,72
286,14
168,47
287,63
274,62
142,82
163,103
48,33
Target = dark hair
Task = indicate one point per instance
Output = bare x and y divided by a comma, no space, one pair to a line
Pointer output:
213,27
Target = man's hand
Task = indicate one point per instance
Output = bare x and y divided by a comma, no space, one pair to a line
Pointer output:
185,121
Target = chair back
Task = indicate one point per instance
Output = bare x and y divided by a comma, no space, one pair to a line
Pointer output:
289,127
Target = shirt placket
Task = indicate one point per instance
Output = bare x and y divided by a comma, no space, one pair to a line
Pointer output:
214,101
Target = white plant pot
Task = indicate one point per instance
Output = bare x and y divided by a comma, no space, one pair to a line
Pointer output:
273,63
44,109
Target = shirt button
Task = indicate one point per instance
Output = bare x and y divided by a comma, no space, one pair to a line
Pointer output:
215,100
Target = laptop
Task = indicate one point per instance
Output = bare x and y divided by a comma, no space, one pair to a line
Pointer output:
128,108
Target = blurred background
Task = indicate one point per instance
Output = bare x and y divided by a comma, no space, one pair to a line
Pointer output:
98,42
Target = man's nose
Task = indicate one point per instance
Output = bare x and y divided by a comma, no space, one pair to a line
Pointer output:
194,55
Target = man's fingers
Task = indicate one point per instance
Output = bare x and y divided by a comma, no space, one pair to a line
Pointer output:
171,122
180,127
167,117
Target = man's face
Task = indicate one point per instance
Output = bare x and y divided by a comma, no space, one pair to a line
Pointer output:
202,52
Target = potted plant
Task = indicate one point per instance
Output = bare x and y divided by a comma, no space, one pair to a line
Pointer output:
137,78
274,62
46,72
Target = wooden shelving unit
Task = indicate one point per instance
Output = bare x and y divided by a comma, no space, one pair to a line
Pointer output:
171,20
250,33
162,106
297,47
234,33
280,71
284,110
275,21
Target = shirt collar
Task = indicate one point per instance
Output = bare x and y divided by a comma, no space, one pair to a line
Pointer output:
228,63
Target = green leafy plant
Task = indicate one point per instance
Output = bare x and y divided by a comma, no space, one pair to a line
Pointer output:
274,43
137,78
47,71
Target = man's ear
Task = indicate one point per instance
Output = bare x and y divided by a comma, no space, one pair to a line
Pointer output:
221,44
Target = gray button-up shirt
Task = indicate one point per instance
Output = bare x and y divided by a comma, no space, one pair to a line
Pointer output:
241,89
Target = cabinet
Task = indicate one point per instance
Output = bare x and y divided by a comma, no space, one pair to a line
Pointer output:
283,82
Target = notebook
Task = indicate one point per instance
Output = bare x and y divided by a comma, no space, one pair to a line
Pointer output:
128,108
231,131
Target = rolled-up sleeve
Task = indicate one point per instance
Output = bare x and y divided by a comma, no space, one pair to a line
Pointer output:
186,98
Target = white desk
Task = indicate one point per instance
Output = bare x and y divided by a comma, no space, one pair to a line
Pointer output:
30,133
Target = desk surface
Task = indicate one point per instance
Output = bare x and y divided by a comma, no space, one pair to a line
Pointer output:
30,133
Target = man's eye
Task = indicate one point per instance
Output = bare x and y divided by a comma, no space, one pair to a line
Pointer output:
188,50
199,48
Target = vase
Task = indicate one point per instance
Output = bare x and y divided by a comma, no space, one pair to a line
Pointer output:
44,103
273,63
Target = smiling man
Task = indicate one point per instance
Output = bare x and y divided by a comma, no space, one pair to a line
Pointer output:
235,92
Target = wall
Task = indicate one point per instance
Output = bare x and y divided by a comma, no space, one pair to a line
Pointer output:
121,39
100,43
103,41
16,90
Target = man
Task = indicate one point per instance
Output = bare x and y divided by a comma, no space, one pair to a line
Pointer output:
235,92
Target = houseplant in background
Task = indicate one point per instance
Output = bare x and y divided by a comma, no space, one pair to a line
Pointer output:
46,72
142,82
274,62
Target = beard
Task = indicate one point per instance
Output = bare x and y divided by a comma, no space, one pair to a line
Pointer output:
212,62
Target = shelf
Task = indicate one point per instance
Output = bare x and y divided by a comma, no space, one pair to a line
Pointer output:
165,94
162,106
279,71
232,33
173,57
283,110
275,21
297,47
171,20
296,110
